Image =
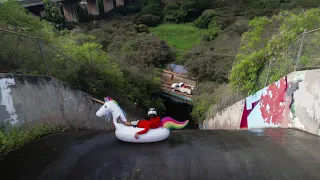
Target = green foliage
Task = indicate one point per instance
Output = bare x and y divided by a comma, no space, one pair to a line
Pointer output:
265,39
148,19
14,137
222,17
185,10
179,36
100,62
143,87
177,12
270,7
206,17
134,7
14,16
94,62
52,13
211,97
206,66
148,52
141,28
213,31
202,99
154,7
138,55
131,8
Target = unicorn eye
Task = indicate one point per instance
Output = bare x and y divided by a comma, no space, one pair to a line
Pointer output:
105,106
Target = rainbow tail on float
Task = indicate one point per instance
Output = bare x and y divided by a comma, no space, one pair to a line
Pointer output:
170,123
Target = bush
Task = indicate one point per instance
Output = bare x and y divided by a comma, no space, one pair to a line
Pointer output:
14,137
222,17
154,7
134,8
213,31
148,52
52,13
209,98
185,10
13,15
206,17
203,64
202,99
142,28
148,19
177,12
143,87
130,9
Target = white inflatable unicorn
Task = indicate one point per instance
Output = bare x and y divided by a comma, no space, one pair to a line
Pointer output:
126,133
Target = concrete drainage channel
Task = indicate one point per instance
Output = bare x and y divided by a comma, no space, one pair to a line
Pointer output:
188,154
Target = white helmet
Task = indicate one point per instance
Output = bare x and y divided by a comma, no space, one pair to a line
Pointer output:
152,111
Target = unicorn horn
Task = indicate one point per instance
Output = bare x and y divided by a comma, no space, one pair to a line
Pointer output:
97,100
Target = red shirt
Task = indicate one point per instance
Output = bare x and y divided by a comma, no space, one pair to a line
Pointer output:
153,123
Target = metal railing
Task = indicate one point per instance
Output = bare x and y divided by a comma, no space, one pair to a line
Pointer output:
301,54
27,52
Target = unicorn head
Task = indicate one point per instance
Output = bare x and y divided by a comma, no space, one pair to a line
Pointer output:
111,107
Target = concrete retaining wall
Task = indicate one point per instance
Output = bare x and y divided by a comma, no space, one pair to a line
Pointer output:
291,102
28,99
228,118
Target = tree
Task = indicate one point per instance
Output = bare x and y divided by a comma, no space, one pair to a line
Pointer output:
177,12
265,39
154,7
13,16
203,64
52,12
223,17
148,52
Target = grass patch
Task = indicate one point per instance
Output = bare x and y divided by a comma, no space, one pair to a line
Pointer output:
179,36
14,137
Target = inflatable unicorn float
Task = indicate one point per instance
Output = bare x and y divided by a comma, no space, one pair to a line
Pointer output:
126,133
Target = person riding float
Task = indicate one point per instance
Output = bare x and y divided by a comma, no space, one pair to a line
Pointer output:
151,122
151,130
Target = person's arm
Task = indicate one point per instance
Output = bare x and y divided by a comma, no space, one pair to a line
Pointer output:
146,129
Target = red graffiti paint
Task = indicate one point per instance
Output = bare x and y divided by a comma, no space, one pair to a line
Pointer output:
245,114
273,102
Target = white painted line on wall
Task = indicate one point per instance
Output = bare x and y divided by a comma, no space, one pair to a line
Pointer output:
7,101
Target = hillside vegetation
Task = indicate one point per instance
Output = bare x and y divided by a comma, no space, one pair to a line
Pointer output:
225,44
179,36
266,38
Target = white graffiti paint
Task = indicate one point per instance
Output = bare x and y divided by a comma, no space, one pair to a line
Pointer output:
71,105
7,101
67,102
81,108
295,123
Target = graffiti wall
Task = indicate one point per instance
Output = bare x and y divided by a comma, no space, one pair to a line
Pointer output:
266,107
291,102
304,101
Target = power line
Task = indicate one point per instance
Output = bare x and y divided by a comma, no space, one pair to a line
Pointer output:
12,32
